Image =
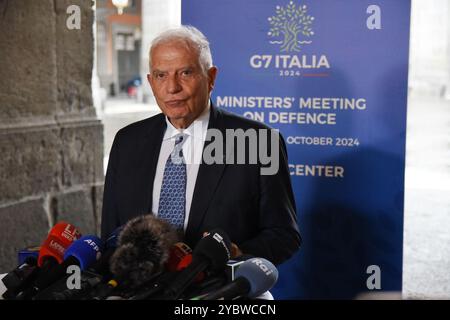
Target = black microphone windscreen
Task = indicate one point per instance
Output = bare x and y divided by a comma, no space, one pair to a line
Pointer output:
215,247
143,249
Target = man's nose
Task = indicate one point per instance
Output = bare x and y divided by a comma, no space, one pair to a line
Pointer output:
173,85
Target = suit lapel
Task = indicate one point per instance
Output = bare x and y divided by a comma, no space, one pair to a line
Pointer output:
149,147
207,180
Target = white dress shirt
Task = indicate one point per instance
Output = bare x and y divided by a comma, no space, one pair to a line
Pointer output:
192,152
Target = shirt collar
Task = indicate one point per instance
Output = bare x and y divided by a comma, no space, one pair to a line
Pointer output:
196,128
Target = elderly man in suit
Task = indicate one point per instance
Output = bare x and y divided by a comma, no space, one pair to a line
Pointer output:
152,167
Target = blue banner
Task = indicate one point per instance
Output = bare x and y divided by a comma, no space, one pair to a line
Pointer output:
332,77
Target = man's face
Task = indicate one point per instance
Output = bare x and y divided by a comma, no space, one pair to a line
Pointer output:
181,88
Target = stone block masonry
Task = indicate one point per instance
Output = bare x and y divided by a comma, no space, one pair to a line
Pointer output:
51,141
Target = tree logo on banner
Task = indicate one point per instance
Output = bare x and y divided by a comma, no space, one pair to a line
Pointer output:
291,22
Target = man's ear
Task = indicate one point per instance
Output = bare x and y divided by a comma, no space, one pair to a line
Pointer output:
212,73
150,80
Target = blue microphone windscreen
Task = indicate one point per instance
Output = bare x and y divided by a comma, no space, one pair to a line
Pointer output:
260,273
86,250
31,252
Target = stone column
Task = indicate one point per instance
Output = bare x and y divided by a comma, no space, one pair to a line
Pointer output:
51,142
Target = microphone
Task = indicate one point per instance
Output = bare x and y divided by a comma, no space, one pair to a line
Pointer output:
28,252
184,263
177,252
90,278
59,239
215,281
50,254
212,251
101,266
211,283
254,277
19,278
179,258
144,247
82,253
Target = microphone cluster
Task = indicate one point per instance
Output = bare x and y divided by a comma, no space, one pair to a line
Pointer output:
142,260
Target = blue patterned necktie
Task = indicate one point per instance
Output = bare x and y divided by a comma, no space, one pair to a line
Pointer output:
172,199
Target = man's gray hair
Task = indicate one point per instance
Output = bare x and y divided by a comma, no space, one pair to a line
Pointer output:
193,37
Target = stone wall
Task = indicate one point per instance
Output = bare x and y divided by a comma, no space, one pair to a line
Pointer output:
51,142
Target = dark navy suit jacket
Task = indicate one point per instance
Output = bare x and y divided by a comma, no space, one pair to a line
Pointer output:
256,211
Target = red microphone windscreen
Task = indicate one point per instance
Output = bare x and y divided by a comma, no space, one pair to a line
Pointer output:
178,251
186,261
59,238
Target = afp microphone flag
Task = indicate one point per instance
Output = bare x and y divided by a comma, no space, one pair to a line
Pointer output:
332,77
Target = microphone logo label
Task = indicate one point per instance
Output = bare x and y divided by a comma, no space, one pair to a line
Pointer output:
219,239
70,233
262,266
56,246
92,244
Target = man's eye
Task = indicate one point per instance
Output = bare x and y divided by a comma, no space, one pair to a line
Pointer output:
186,73
160,75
